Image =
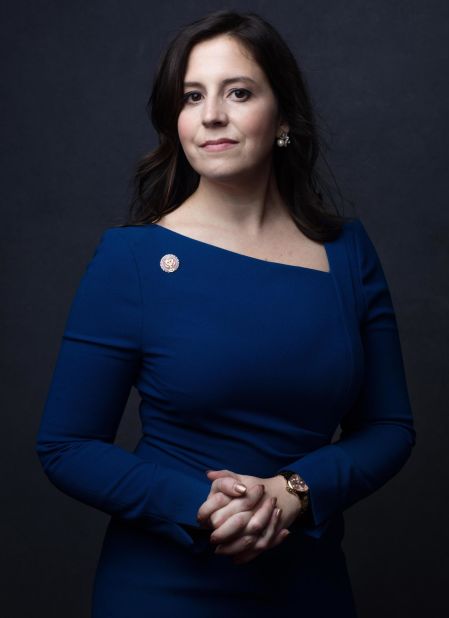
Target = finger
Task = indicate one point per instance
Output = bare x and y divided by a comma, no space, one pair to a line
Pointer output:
273,527
256,525
246,556
280,533
237,546
231,528
262,543
250,554
213,502
229,486
261,518
215,474
247,502
226,486
230,520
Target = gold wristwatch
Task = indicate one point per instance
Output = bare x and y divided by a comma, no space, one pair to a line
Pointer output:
297,486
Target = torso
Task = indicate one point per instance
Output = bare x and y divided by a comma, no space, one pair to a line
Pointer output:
283,242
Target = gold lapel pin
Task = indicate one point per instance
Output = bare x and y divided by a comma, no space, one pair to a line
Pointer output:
169,262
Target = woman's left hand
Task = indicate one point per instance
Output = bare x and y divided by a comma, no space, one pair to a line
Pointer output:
234,521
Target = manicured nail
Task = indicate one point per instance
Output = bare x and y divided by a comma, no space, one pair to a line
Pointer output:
277,512
240,488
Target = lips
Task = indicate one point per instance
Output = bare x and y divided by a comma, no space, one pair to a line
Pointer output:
223,140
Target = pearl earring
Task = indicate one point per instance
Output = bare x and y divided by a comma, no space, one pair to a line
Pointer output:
283,140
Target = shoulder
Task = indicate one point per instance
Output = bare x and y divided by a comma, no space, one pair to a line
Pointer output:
358,241
114,241
126,234
131,251
371,276
353,229
114,254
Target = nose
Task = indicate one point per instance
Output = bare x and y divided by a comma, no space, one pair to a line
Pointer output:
214,112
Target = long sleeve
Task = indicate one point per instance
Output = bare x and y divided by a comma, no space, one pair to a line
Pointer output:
377,433
97,365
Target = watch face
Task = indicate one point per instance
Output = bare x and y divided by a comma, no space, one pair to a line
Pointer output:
298,484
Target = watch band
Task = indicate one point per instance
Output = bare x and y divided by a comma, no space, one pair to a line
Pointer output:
297,486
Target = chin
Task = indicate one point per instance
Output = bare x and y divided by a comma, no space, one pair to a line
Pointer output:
222,174
224,169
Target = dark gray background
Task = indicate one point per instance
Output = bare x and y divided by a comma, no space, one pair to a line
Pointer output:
76,78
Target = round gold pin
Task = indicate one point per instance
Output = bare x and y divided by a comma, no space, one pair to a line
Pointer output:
169,262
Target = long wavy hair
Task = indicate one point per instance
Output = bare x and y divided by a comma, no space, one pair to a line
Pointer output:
164,178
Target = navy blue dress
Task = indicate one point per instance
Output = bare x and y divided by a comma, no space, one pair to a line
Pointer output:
241,364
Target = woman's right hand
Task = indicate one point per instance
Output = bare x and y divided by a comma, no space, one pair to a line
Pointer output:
250,520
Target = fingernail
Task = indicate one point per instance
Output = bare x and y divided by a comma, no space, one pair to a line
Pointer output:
240,488
277,512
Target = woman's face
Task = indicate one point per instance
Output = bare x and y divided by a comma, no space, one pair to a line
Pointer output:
242,110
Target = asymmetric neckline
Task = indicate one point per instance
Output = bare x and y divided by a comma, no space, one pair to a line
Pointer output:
249,257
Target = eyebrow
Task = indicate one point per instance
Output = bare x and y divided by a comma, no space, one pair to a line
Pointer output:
229,80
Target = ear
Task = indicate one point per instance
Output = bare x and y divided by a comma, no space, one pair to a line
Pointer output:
284,126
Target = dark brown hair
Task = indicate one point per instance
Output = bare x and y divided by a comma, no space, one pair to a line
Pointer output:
164,178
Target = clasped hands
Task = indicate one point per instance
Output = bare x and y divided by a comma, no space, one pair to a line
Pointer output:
249,514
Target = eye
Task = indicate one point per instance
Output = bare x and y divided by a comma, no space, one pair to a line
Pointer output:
237,91
186,97
247,94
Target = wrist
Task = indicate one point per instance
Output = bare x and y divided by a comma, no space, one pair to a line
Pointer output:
290,503
296,487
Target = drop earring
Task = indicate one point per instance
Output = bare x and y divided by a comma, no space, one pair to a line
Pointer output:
283,140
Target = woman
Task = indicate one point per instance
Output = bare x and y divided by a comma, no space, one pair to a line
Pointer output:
253,323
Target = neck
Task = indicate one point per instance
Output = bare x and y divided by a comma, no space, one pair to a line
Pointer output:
246,203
